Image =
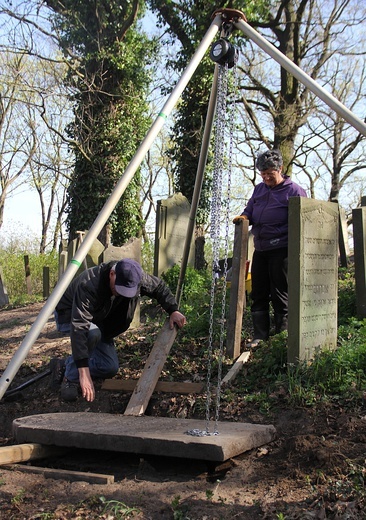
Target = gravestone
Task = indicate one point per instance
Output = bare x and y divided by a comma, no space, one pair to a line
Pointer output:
4,298
313,277
131,249
359,246
172,218
62,258
94,254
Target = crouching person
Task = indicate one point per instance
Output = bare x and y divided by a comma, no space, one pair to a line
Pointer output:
97,306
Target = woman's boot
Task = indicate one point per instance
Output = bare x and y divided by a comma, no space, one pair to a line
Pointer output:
280,322
261,324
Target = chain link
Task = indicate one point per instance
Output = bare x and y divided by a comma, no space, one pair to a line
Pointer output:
220,202
226,206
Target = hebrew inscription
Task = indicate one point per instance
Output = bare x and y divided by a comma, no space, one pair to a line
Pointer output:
313,277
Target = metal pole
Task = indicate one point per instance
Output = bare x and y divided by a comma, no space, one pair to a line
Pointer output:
106,211
287,64
198,183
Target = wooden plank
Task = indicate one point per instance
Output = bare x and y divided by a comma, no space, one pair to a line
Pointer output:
237,366
343,238
161,386
152,370
64,474
24,452
237,302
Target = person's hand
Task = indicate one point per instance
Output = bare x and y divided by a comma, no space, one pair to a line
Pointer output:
239,218
86,383
177,318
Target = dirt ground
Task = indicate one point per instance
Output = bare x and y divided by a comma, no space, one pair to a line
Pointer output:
315,469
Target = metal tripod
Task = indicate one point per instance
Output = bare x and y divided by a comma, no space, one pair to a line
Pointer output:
220,17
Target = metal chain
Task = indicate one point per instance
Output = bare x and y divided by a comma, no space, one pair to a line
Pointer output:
227,199
216,210
219,202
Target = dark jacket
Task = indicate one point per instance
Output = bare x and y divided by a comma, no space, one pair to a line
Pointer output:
88,299
267,211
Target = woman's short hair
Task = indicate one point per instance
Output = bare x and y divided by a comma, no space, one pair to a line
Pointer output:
269,159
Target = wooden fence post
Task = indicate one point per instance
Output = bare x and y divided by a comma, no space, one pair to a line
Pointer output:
46,282
237,291
27,274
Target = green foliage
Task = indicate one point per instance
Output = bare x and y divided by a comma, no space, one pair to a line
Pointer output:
195,301
14,274
336,374
18,498
179,510
195,282
147,256
346,295
110,86
117,508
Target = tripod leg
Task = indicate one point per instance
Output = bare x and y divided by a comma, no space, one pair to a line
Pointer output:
47,310
198,184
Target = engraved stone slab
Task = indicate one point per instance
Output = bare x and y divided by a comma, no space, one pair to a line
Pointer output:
130,249
172,218
142,435
313,277
92,258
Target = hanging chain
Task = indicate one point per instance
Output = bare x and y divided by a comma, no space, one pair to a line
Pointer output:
227,199
216,211
220,202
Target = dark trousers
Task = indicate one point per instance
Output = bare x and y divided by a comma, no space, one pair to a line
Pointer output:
103,358
269,280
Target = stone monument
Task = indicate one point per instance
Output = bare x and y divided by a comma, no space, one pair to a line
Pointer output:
172,218
313,277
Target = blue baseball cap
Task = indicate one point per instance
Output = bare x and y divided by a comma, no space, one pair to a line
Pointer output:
128,277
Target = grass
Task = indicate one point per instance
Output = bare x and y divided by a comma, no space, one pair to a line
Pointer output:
13,275
338,374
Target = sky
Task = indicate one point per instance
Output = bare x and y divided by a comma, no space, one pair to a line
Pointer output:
22,215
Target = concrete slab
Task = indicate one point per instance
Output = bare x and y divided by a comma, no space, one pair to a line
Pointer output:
142,435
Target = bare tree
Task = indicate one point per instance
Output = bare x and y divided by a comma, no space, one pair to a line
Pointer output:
33,115
318,37
18,140
49,172
330,147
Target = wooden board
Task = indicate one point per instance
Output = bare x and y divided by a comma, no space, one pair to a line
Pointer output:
64,474
161,386
24,452
152,370
237,290
237,366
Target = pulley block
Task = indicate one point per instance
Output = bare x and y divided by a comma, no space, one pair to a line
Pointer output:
222,52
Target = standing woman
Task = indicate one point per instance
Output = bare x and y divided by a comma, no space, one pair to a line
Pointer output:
267,212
